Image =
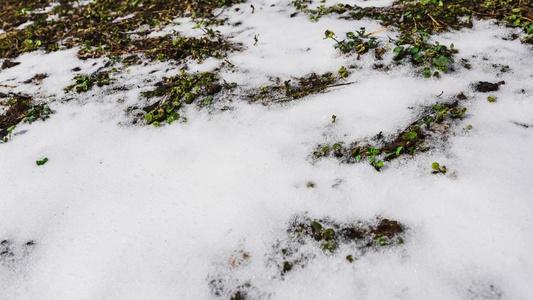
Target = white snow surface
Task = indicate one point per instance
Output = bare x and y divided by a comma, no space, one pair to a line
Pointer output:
124,211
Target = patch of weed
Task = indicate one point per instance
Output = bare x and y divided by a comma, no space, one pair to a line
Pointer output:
179,89
20,108
434,123
100,26
330,236
298,88
85,82
431,15
356,42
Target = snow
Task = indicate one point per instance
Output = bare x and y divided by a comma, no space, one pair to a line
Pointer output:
131,212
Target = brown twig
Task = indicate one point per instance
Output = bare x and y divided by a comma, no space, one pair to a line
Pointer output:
435,21
8,86
126,52
377,31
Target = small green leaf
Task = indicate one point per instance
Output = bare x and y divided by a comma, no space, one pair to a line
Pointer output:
398,49
399,150
440,61
435,166
349,258
329,232
379,164
371,159
381,241
358,158
41,162
491,99
410,135
325,149
330,245
418,56
337,146
148,118
316,226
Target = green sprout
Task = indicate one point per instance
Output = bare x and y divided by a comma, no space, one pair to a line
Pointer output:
437,168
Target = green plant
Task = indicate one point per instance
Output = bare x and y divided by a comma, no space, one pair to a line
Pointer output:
9,132
329,245
207,31
37,112
42,162
378,165
327,235
410,135
316,226
381,240
420,52
343,72
373,151
491,99
359,42
437,168
86,82
177,90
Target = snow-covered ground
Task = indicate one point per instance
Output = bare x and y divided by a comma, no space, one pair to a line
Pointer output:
124,211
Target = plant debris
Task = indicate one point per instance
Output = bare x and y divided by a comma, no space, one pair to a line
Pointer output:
11,251
9,64
100,26
20,108
431,15
85,82
432,125
179,89
302,87
485,87
37,79
330,236
298,249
